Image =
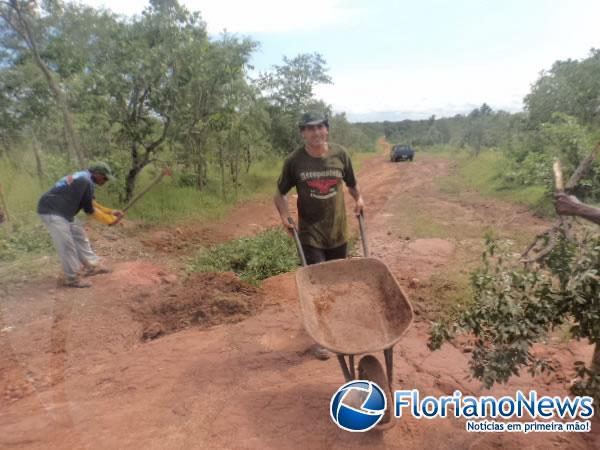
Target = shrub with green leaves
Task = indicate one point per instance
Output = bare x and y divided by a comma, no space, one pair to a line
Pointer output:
253,258
18,239
515,306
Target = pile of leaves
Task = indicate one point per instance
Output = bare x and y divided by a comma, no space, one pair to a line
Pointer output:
515,306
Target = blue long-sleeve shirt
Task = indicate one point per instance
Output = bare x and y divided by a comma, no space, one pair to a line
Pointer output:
68,196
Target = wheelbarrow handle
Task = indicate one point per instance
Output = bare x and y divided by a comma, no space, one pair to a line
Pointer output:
297,239
363,238
363,234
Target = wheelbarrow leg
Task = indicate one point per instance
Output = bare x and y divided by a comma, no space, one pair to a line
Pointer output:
389,365
349,373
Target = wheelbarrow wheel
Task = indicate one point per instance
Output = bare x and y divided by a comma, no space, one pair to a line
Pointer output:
369,368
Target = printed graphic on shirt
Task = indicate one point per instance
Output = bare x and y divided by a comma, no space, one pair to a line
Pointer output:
68,180
322,184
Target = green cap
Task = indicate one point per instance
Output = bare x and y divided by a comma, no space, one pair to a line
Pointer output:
311,118
102,168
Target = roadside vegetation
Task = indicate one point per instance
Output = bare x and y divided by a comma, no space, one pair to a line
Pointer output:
486,175
253,259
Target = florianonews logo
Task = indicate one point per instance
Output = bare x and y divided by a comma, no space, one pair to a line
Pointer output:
358,406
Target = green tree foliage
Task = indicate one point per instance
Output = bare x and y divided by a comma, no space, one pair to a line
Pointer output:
289,90
139,76
570,87
146,90
28,30
515,306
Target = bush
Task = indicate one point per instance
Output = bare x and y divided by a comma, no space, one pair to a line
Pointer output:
22,239
515,306
534,170
253,259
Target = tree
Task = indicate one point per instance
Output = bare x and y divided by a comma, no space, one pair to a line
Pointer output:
477,129
25,21
216,100
139,72
571,87
289,89
291,86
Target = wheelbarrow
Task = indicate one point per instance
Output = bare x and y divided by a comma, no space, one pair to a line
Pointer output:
354,307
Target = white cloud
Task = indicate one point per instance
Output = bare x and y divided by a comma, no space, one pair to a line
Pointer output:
254,16
416,93
273,15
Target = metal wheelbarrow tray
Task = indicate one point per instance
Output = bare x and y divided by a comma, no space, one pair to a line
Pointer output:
353,306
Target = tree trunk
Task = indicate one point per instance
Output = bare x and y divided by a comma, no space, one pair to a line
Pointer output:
38,161
22,27
130,183
248,158
136,168
222,170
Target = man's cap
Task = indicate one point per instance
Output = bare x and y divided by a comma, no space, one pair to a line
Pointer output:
102,168
311,118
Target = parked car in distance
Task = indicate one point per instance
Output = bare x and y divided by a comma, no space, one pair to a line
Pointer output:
402,153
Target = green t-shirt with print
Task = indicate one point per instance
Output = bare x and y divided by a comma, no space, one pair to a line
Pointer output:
318,181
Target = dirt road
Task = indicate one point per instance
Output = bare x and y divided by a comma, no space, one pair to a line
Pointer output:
76,373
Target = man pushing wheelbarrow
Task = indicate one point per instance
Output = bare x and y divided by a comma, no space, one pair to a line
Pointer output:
349,306
317,171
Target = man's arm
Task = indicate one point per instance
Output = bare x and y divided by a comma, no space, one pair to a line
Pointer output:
281,203
360,204
568,205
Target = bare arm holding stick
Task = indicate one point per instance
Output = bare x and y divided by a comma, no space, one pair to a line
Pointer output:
568,205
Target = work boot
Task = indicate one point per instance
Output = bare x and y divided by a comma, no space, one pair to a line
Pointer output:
90,271
77,283
320,352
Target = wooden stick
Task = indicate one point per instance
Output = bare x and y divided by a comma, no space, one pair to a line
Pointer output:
144,191
4,212
558,176
561,223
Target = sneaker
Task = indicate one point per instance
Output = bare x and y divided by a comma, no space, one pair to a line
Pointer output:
90,271
320,352
77,283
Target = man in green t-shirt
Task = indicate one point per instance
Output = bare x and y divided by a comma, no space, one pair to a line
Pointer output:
317,171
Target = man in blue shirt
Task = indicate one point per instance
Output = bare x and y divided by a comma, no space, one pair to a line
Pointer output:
57,209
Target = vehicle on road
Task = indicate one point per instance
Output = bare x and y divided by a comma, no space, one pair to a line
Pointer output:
402,153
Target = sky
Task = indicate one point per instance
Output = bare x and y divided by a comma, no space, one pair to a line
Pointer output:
395,60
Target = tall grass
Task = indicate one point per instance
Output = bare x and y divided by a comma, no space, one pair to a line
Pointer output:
485,174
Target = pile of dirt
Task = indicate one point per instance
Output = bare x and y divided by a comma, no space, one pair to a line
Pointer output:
204,300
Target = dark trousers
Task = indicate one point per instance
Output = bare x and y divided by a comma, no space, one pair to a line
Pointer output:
318,255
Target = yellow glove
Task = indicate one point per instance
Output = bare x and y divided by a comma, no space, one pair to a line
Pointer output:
103,217
103,214
97,205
